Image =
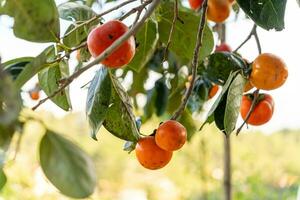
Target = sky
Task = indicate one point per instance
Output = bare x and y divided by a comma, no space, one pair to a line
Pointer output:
284,44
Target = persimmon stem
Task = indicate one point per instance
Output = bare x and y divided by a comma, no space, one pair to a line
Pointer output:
175,18
195,63
104,54
254,103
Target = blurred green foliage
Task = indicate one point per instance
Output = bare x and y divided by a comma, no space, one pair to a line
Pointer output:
264,166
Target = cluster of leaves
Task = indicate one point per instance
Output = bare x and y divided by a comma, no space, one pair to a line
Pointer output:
108,103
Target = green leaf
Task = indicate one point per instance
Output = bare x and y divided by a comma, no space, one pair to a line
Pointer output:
49,82
298,1
36,65
146,40
78,13
10,99
188,122
3,179
67,166
224,90
35,21
218,66
98,100
15,67
233,103
73,11
120,120
268,14
185,33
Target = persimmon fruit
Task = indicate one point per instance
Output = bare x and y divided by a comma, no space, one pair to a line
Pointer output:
262,112
268,72
150,155
218,10
170,135
213,91
100,38
195,4
34,94
223,48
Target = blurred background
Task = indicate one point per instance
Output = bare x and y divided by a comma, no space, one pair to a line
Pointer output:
266,161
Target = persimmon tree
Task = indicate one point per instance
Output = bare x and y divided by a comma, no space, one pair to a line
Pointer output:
165,37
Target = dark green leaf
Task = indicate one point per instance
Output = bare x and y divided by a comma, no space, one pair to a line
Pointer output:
120,120
234,97
162,94
139,79
268,14
36,65
73,11
3,179
36,21
15,67
219,113
67,167
146,40
209,120
98,100
188,122
218,66
49,82
185,33
199,96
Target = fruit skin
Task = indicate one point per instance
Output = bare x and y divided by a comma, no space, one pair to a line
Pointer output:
218,10
248,86
195,4
34,95
268,72
213,91
103,36
150,155
223,47
170,135
262,112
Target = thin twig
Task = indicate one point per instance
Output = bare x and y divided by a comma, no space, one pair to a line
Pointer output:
252,32
138,9
195,61
254,103
99,15
175,17
257,41
104,54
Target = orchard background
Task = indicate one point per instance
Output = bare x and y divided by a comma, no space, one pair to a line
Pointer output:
265,162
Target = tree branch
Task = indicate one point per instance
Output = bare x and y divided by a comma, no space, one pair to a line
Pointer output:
104,54
172,29
195,61
253,30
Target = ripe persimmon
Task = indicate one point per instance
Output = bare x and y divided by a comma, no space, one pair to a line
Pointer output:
103,36
268,72
223,47
262,111
218,10
196,4
150,155
170,135
248,86
213,91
